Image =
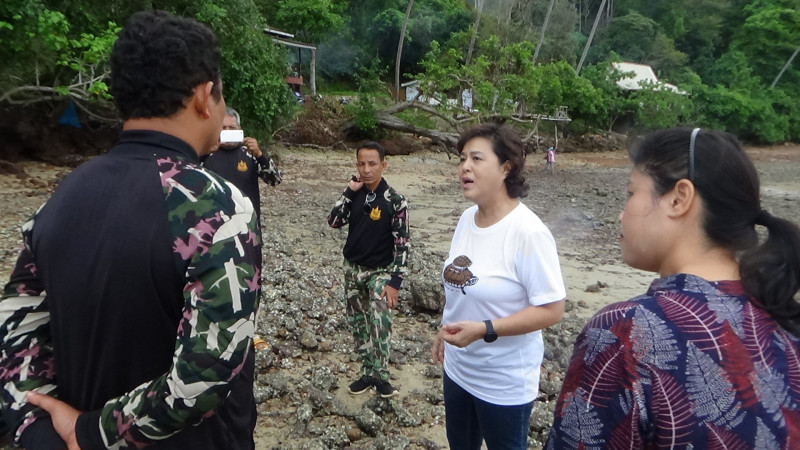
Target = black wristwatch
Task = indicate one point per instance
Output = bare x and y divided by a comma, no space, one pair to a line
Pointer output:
490,335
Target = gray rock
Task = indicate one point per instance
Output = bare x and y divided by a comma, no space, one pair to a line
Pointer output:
314,444
369,422
404,417
322,378
276,383
305,413
335,437
392,442
308,340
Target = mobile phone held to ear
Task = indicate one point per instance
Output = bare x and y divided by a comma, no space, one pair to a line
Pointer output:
235,136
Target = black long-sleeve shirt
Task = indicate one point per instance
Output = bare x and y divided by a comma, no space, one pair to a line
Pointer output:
242,169
151,269
378,236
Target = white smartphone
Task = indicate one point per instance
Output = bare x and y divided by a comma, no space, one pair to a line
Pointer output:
231,136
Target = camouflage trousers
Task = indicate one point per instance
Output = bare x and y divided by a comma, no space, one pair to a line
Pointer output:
369,317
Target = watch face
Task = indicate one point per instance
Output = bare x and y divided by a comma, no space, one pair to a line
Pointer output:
490,337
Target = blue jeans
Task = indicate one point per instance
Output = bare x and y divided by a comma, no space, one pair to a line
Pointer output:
470,420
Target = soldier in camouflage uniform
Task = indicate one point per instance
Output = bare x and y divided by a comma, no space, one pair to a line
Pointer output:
151,270
375,260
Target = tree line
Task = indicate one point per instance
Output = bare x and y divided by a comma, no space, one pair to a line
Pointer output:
732,60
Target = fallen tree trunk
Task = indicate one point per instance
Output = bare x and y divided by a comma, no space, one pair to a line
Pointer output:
386,119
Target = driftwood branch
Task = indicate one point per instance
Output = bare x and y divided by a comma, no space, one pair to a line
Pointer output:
387,119
78,91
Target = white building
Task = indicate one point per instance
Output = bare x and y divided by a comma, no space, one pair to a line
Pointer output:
642,74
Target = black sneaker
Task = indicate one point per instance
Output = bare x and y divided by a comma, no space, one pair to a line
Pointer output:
361,385
385,389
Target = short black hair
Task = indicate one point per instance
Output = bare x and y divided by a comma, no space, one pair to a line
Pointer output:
373,146
157,61
508,147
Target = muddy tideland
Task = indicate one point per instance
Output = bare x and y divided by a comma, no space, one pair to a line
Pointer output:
303,373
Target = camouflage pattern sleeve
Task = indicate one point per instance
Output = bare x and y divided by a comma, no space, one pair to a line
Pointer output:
340,214
216,236
400,233
26,352
267,170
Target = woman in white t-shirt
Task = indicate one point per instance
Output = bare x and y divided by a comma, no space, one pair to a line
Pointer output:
503,285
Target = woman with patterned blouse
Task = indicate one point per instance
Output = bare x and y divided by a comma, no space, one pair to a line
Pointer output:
708,357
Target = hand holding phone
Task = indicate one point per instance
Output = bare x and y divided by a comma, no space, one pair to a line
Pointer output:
231,136
355,183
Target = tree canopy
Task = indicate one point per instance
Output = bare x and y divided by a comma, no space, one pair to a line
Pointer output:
722,54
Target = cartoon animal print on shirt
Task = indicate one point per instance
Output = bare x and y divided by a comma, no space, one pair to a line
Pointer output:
457,275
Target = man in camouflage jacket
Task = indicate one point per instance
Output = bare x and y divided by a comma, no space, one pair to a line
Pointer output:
375,260
128,319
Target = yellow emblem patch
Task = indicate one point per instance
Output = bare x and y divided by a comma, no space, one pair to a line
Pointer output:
375,213
242,167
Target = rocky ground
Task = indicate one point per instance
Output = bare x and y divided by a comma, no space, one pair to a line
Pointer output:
309,360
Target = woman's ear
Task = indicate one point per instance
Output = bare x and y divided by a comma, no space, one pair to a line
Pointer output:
681,198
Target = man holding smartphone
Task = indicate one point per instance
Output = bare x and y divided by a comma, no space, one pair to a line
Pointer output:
375,260
240,160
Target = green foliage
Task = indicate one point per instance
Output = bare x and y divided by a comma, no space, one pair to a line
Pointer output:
724,52
609,101
310,20
750,115
657,108
363,114
47,60
767,39
630,36
732,70
561,40
370,92
253,67
372,30
52,43
419,119
561,86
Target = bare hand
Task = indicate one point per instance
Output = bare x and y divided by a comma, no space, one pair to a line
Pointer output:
63,416
390,294
463,333
252,147
355,184
437,349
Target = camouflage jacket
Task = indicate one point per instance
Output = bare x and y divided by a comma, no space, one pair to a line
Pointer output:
378,236
109,310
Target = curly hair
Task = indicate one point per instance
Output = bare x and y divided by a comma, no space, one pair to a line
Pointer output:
508,146
157,61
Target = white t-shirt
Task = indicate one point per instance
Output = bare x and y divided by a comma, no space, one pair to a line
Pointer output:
494,272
